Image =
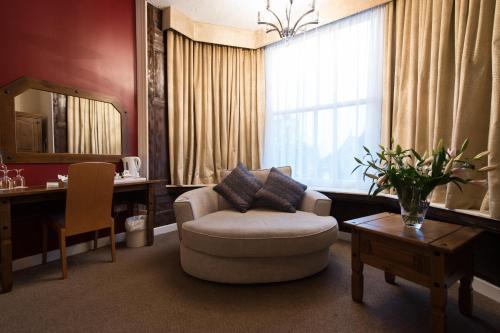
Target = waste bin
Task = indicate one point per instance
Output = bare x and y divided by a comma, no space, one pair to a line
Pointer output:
135,227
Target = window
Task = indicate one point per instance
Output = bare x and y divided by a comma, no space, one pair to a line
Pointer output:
324,100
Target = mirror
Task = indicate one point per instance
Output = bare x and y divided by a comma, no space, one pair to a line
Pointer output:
49,122
45,122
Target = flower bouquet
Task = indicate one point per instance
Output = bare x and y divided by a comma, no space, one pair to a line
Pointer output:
415,176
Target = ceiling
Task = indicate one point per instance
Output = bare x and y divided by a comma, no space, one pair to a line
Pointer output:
233,13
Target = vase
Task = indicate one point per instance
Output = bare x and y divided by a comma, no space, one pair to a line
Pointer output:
414,205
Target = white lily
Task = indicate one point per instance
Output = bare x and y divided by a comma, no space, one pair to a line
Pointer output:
381,180
428,160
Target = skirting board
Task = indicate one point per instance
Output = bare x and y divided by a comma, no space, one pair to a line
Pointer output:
53,255
480,286
486,289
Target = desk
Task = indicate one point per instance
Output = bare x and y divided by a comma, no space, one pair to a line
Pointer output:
435,257
142,192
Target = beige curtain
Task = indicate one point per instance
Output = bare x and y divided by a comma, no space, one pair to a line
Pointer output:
94,127
215,97
442,82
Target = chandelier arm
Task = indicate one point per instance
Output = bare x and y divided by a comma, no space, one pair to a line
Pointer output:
300,19
275,27
271,30
303,25
288,11
276,16
287,15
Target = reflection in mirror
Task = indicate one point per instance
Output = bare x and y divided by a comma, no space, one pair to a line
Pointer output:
54,123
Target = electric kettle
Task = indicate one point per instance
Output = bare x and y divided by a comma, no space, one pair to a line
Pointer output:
131,166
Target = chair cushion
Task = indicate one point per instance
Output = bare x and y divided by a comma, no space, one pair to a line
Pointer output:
259,233
239,188
260,174
280,192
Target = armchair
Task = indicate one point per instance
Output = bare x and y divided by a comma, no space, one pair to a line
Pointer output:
221,244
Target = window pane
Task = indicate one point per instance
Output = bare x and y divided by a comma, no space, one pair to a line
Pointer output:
324,100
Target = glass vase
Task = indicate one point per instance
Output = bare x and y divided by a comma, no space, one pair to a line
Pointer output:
414,205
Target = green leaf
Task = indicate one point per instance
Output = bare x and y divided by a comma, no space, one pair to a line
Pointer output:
416,155
481,155
440,145
366,149
359,161
458,185
464,145
355,169
364,172
371,188
380,189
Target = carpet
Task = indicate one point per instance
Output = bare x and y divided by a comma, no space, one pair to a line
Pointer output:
147,291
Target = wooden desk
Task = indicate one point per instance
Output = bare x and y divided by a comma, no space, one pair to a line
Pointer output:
435,257
143,193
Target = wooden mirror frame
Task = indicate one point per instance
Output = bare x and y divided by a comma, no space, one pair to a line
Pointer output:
8,128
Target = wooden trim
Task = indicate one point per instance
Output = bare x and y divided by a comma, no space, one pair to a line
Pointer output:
253,39
142,84
8,131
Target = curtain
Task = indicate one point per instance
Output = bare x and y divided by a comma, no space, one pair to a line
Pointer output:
324,100
215,100
443,84
94,127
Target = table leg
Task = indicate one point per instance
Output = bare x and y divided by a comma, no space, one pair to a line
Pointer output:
465,298
150,223
439,293
5,246
357,269
390,278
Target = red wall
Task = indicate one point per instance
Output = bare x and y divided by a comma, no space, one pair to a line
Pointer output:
87,44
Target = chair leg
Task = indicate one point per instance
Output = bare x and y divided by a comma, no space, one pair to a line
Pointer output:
62,248
96,236
44,243
112,239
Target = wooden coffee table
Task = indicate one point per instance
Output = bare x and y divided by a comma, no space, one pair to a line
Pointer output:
435,257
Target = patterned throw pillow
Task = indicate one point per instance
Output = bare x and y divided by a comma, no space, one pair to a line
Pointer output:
281,192
239,188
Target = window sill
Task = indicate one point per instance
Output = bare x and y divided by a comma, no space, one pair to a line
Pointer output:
473,212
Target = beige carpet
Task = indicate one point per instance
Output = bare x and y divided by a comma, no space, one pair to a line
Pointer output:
147,291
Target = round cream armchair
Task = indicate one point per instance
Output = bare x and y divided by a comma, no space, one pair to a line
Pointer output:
221,244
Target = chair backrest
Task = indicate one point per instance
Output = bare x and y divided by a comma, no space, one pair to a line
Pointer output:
89,197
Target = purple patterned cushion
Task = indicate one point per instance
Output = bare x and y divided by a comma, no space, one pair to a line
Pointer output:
281,192
239,188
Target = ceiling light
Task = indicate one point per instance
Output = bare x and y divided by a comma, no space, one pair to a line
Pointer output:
284,27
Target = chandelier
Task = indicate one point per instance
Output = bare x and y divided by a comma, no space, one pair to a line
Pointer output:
284,28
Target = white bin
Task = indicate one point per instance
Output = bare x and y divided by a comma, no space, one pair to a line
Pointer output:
135,227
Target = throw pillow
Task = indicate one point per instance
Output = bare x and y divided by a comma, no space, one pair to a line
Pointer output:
281,192
239,188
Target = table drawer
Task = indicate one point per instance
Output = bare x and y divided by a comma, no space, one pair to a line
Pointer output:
399,258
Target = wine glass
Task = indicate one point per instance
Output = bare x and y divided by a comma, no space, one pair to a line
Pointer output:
2,166
6,182
19,180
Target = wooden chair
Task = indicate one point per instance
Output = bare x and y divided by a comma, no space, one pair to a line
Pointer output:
88,207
